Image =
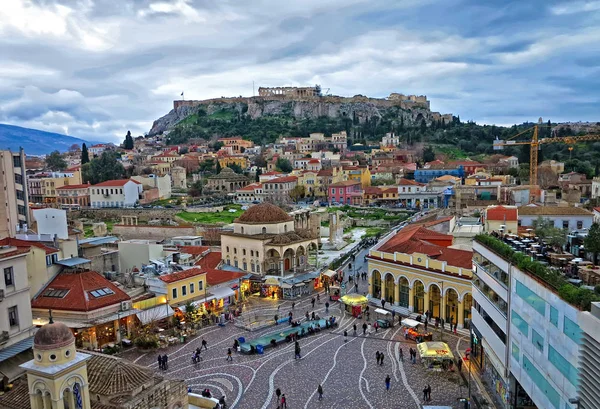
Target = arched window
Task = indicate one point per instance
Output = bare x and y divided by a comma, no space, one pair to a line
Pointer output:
285,228
242,230
264,230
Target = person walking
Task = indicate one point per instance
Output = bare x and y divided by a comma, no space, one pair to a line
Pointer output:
320,392
313,302
381,359
388,380
455,325
428,392
283,402
364,328
442,323
425,394
319,298
383,303
165,360
297,351
160,362
376,326
354,328
345,336
401,354
326,306
307,316
459,364
377,356
229,357
426,325
393,316
293,305
204,344
278,394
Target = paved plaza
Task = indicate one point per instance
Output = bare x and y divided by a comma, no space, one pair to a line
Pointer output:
347,370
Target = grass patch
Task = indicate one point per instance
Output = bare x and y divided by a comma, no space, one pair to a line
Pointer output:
222,114
373,231
370,214
225,216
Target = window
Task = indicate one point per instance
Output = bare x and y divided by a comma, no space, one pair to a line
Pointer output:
235,263
563,365
252,253
244,252
554,316
21,210
200,285
258,268
264,230
228,249
54,293
16,161
579,224
242,230
234,250
18,179
515,351
183,290
13,316
572,330
531,298
20,195
191,288
565,224
540,380
537,340
9,277
520,323
245,266
174,293
101,292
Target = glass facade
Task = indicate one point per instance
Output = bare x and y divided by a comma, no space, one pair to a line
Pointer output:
491,269
531,298
516,352
537,340
491,295
572,330
563,365
540,381
554,316
520,323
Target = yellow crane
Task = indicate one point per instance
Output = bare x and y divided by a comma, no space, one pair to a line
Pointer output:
535,143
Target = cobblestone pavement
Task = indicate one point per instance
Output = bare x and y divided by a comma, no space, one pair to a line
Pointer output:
347,370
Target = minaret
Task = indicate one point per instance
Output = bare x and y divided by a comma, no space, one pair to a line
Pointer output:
57,374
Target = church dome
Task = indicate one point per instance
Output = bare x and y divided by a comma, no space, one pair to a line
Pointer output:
53,336
264,213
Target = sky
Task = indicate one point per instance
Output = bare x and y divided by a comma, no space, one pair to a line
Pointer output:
97,68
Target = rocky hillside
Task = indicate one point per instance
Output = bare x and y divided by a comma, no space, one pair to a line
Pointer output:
345,112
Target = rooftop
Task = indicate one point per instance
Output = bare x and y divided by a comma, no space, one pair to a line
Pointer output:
552,211
264,213
26,244
68,187
181,275
118,183
344,183
502,213
285,179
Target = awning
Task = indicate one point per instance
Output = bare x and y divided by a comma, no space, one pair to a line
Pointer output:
10,367
221,292
329,273
272,281
407,322
284,285
155,313
380,311
111,317
354,299
73,261
16,348
435,350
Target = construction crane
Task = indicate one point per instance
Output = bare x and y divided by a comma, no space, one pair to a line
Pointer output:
535,143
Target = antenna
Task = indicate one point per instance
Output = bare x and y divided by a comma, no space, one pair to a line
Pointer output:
50,320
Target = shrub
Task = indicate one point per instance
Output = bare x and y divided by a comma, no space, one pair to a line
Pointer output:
146,341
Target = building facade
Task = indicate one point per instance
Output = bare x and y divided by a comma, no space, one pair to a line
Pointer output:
346,192
116,193
14,198
73,196
570,218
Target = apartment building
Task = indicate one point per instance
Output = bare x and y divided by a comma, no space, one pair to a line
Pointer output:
161,183
571,218
73,196
279,189
116,193
589,360
13,192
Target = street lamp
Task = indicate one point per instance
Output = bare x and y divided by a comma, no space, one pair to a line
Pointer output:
441,311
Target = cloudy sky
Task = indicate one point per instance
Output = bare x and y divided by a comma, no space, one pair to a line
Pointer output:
96,68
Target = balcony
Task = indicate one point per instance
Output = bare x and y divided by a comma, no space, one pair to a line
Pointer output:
491,296
4,337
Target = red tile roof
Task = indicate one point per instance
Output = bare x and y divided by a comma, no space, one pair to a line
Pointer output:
25,244
597,209
215,277
79,298
181,275
409,182
271,173
501,213
417,239
194,250
344,183
285,179
314,161
13,253
118,182
211,260
325,172
251,187
69,187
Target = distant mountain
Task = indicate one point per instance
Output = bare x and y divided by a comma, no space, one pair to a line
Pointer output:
34,141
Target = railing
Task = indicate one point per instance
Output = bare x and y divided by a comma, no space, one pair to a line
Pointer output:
491,295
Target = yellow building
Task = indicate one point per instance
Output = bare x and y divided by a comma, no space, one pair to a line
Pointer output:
241,161
417,271
360,173
184,286
309,180
46,186
162,168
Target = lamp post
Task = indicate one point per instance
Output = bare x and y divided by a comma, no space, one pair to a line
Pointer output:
441,311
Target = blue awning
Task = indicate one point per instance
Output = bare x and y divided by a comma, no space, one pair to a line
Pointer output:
73,261
16,348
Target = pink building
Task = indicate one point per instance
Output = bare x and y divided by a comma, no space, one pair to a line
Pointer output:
346,192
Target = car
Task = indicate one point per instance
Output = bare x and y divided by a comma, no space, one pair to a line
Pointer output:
244,207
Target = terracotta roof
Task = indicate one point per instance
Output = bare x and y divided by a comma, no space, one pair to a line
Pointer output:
69,187
79,297
264,213
211,260
501,213
325,172
314,161
14,253
409,182
113,376
344,183
251,187
285,179
597,209
216,277
271,173
118,182
181,275
194,250
552,211
373,190
25,244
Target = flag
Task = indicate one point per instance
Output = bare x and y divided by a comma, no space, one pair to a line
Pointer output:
182,94
77,394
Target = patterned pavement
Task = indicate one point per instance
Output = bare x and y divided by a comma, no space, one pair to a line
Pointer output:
347,370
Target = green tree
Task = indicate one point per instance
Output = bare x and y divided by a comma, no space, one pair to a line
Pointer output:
257,175
545,229
428,154
592,242
297,193
195,190
284,165
218,168
128,144
85,156
236,168
56,161
104,168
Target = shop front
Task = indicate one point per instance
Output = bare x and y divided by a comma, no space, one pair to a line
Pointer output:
271,287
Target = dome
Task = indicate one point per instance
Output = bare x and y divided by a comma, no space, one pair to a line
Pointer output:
264,213
53,336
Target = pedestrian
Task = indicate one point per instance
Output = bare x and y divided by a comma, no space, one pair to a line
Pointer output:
383,303
387,382
425,394
459,363
293,305
307,316
313,302
428,392
427,315
455,325
165,360
283,402
278,394
354,328
326,306
318,298
313,316
364,328
367,314
204,344
381,359
369,328
222,402
356,287
401,355
442,322
320,392
297,351
376,326
345,336
393,316
377,356
426,325
160,362
229,357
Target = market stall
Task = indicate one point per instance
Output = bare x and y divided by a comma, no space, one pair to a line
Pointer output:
436,355
384,318
354,304
412,330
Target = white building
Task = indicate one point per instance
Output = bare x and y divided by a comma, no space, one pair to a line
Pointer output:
135,253
570,218
250,194
596,187
162,183
51,222
116,193
96,150
390,140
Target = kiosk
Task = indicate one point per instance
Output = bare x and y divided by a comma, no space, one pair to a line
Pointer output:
436,355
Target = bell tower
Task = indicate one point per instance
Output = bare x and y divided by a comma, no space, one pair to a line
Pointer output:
57,374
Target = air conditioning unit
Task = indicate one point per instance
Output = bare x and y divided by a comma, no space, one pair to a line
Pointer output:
1,295
125,305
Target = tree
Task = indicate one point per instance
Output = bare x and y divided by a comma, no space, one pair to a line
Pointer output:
284,165
85,156
236,168
297,193
183,150
257,175
592,242
260,162
428,154
56,161
104,168
545,229
74,148
195,190
128,144
190,311
218,169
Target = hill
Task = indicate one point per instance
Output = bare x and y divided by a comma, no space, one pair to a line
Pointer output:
34,141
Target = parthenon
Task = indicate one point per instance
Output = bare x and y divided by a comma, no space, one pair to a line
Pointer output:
288,91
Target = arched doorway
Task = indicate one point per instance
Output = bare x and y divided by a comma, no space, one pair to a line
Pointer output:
300,257
404,292
435,297
288,260
389,288
451,305
467,303
375,284
419,297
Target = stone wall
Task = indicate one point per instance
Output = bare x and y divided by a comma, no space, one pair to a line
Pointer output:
143,215
154,233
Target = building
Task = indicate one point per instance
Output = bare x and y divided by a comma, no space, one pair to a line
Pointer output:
359,173
426,175
390,140
169,157
239,160
412,194
589,383
570,218
252,193
265,241
133,254
416,270
161,183
61,377
596,187
235,145
116,193
278,190
346,192
500,218
524,336
469,166
179,177
73,196
227,181
184,286
96,150
13,193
